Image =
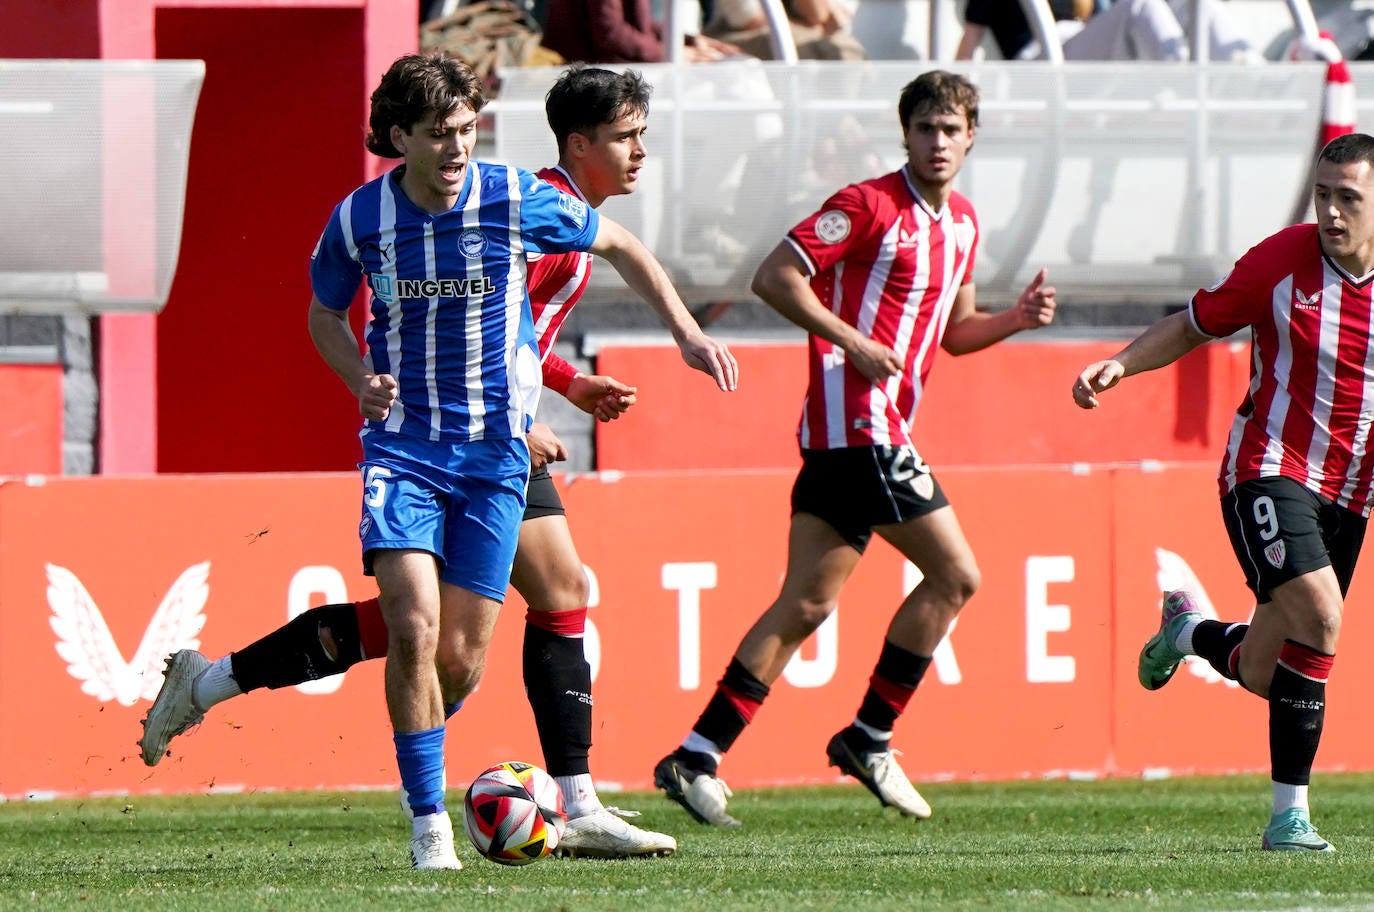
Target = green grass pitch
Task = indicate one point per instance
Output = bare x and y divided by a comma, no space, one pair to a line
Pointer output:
1180,844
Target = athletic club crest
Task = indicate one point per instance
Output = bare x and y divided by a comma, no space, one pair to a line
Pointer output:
1275,554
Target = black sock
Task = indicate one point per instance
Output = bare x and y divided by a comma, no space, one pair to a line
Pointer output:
738,696
558,684
296,652
1297,709
695,760
891,685
1217,642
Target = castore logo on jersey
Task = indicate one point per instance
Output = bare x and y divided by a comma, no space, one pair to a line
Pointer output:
1307,302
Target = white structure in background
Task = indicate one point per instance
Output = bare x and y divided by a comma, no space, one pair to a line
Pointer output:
1131,181
93,159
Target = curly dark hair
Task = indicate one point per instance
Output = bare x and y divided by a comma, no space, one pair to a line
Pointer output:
415,87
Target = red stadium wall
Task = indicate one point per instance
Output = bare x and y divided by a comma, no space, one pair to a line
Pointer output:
52,29
1008,405
276,145
1037,679
277,142
31,442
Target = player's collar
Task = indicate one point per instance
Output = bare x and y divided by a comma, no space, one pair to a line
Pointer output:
921,200
571,183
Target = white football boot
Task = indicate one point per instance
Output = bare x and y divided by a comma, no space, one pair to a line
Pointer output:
881,774
702,795
431,844
604,834
174,710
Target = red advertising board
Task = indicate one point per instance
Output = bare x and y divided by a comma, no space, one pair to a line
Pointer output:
100,578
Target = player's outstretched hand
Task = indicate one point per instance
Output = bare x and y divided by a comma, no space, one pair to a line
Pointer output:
1095,378
375,397
545,447
1035,307
604,398
711,357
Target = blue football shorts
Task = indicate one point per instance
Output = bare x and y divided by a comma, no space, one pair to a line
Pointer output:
461,502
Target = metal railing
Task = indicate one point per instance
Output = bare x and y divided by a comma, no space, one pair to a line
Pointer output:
1131,181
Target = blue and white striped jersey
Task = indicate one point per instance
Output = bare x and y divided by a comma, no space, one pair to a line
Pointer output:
450,312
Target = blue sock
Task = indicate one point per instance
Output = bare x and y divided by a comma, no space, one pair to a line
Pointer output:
451,708
420,757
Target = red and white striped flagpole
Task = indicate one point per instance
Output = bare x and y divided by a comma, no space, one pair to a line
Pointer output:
1338,104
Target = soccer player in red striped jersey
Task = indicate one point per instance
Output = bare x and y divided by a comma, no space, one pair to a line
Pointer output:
1295,478
880,277
598,118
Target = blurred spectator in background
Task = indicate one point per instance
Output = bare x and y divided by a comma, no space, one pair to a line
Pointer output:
618,31
1350,23
1120,30
821,29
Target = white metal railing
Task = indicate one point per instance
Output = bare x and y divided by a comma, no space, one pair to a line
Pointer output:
93,159
1131,181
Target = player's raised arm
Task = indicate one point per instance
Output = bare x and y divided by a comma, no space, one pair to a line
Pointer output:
646,276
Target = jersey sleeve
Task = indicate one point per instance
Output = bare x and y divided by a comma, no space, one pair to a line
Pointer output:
1240,298
334,274
558,374
552,221
842,224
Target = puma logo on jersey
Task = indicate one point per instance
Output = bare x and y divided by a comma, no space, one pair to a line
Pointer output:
1307,302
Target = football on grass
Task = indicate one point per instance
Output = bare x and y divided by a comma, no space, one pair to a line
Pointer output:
513,813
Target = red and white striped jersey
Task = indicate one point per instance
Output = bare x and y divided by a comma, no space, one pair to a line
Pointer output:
887,264
1307,413
556,282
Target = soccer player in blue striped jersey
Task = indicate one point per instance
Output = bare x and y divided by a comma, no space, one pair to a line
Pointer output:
447,389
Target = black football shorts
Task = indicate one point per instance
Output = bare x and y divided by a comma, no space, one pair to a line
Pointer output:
541,496
856,488
1281,530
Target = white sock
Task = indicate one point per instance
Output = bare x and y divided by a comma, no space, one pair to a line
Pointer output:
1184,641
440,821
872,732
1289,796
215,685
700,745
579,795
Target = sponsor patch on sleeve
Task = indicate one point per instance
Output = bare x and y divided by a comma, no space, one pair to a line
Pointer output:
574,207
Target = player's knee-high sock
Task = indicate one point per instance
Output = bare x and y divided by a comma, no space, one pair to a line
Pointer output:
737,698
318,643
420,758
1297,709
890,687
372,635
1219,643
558,684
